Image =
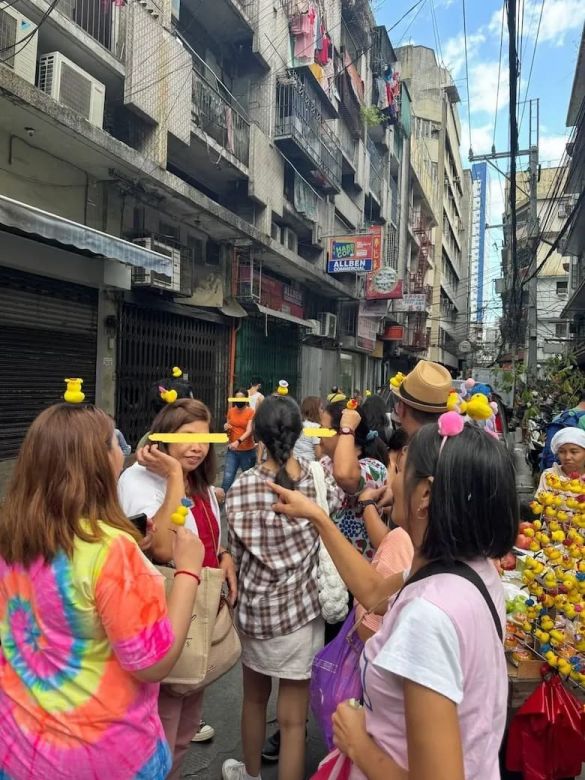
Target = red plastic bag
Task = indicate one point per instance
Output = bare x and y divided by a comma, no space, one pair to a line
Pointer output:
546,740
335,766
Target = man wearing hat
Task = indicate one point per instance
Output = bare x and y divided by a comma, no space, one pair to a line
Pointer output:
422,396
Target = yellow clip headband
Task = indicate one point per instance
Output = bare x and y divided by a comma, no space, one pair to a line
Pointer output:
189,438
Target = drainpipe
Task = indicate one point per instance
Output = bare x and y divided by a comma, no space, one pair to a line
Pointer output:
235,323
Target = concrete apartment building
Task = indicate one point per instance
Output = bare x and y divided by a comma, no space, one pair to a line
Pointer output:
573,242
170,175
436,127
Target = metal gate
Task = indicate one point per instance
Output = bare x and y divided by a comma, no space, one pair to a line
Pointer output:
269,350
48,331
150,343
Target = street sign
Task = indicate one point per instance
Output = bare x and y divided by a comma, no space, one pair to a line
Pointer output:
465,347
350,254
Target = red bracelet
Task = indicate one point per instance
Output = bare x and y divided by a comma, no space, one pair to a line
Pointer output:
190,573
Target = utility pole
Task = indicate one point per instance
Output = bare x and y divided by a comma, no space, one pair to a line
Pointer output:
531,366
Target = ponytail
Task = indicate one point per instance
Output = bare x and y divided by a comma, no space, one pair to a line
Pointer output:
278,425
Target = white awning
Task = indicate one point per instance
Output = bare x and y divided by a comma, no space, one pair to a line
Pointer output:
67,234
282,315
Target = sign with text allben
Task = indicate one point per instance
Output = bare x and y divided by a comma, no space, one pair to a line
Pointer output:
350,254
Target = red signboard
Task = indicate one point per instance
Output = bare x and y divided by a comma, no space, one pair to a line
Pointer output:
393,333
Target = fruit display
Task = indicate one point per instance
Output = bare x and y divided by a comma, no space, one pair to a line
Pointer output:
553,622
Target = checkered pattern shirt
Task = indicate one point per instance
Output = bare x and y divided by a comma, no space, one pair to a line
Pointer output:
276,558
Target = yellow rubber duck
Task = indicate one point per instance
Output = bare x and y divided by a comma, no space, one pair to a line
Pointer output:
478,407
168,396
397,379
177,372
453,401
282,388
73,394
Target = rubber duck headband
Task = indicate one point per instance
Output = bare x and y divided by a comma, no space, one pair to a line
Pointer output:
282,388
73,392
170,396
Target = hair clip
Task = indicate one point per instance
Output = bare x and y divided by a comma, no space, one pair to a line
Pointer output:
352,404
450,424
73,394
372,435
397,379
168,396
177,372
282,388
189,438
336,398
368,393
179,516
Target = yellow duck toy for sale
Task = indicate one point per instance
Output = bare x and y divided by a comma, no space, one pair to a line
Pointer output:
478,407
73,393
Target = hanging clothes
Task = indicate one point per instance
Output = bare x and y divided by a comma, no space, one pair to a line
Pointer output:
382,101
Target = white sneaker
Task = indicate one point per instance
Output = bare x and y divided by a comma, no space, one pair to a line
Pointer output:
205,733
235,770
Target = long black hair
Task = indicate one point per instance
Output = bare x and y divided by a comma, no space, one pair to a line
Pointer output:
367,439
184,390
473,510
374,411
278,425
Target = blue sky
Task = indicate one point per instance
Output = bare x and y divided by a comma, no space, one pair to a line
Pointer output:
551,81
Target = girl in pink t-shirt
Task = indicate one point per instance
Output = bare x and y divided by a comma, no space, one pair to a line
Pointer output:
434,676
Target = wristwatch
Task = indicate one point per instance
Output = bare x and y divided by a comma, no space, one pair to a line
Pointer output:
363,504
345,431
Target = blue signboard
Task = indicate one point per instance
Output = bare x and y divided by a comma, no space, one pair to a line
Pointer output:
351,254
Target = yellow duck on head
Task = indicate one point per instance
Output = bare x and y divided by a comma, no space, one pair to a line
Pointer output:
177,372
282,388
74,394
168,396
478,407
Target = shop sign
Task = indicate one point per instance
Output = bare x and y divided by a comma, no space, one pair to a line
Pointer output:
293,295
411,302
383,284
351,254
367,329
393,333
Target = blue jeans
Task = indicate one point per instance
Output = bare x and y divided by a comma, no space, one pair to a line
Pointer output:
234,461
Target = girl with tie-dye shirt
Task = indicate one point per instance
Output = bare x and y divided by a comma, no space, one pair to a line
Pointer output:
85,630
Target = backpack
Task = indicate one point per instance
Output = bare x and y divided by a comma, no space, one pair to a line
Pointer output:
568,419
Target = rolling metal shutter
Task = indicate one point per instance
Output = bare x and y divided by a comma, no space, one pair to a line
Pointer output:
48,331
270,349
150,342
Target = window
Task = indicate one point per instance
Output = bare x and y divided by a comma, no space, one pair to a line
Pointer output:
8,37
562,288
560,329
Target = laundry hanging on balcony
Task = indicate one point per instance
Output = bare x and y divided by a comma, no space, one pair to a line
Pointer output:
388,89
310,41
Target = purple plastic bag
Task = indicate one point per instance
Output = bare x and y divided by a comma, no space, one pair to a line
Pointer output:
336,676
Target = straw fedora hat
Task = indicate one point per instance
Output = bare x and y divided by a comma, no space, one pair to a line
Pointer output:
426,388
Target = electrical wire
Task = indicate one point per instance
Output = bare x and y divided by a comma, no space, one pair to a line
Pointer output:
499,73
412,21
23,42
467,75
531,64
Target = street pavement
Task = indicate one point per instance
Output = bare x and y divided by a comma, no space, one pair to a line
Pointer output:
221,709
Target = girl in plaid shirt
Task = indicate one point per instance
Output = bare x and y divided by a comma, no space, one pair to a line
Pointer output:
278,610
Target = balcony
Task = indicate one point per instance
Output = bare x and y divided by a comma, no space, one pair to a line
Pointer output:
376,171
213,112
349,147
303,136
100,20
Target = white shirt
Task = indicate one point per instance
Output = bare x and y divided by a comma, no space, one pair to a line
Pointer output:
305,446
141,491
255,400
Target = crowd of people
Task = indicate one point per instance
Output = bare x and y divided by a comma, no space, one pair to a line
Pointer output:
414,508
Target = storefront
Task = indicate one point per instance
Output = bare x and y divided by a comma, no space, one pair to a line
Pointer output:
48,331
268,347
153,340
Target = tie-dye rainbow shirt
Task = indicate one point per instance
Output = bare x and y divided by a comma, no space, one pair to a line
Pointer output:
72,632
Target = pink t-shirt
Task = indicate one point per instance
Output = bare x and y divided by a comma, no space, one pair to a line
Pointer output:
441,635
394,555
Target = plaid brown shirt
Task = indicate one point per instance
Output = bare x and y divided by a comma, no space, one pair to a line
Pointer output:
276,558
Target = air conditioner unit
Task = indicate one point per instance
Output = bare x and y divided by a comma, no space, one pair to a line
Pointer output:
71,86
314,327
328,324
290,240
142,277
14,29
276,232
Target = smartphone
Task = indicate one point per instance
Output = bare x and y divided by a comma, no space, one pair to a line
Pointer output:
140,522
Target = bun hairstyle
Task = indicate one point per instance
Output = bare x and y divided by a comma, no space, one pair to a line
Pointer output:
368,440
473,510
278,425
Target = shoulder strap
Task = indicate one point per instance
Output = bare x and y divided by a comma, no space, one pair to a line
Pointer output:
461,570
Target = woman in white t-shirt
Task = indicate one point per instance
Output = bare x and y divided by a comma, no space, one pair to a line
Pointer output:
254,393
434,676
155,486
309,447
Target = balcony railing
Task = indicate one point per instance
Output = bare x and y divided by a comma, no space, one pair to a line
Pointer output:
376,171
98,19
215,114
299,121
349,144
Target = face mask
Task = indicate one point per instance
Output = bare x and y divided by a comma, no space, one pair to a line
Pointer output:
240,406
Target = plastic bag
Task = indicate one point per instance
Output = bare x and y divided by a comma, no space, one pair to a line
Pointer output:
334,766
546,740
336,676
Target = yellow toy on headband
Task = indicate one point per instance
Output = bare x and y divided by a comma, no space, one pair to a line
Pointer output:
177,372
282,388
168,396
73,394
189,438
352,404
